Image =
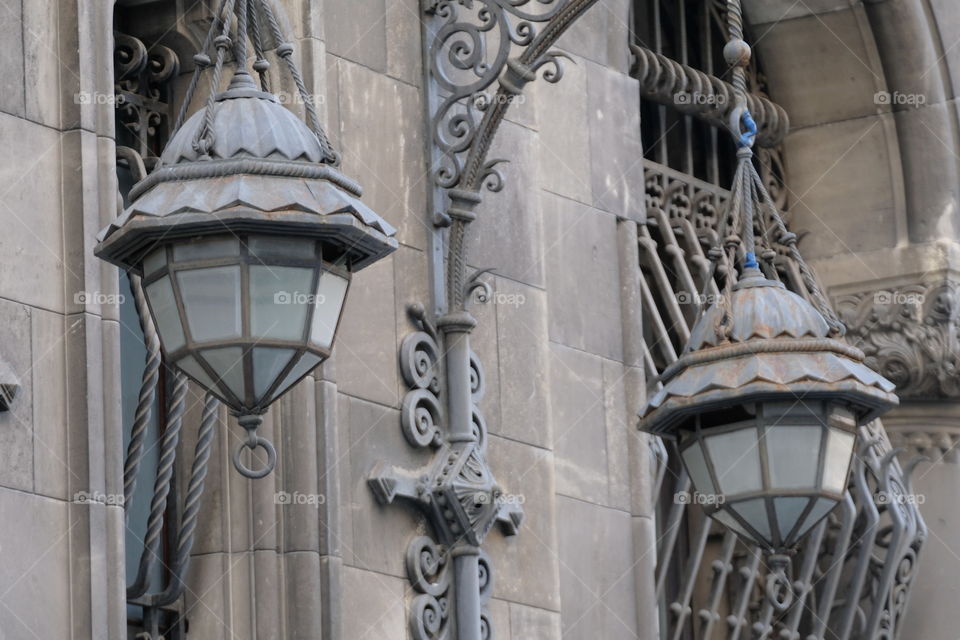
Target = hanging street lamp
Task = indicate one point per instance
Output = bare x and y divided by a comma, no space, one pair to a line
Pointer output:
766,399
766,413
246,236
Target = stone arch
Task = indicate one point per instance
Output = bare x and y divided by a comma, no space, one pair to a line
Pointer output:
872,151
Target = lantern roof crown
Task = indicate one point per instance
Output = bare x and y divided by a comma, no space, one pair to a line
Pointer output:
760,308
246,123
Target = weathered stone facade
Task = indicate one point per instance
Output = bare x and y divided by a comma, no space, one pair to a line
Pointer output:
561,342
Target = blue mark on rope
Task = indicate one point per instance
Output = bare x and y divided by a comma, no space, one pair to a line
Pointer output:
750,261
747,137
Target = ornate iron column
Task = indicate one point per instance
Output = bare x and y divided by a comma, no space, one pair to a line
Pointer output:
468,47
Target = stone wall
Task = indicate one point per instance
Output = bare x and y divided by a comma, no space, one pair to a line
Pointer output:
874,185
60,535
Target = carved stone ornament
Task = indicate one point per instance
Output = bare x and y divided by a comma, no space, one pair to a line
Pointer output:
909,335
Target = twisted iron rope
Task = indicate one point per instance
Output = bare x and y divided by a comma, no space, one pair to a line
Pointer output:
148,393
662,78
285,51
201,61
191,505
240,45
161,487
204,139
748,189
261,65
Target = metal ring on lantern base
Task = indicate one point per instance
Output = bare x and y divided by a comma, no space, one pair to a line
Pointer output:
779,588
251,422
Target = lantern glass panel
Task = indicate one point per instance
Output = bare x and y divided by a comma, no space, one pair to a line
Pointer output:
228,362
166,313
793,453
306,364
732,523
736,460
211,302
822,507
193,369
279,300
789,510
755,513
836,464
266,247
154,262
205,248
331,292
696,464
268,364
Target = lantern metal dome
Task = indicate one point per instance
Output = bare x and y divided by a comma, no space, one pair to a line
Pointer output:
245,236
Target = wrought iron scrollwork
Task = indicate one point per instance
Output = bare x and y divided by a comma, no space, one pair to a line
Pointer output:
143,94
469,51
421,412
456,491
429,571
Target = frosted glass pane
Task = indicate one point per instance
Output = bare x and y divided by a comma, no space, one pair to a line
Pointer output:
306,364
227,363
731,523
211,301
280,246
823,507
836,464
736,460
268,364
697,468
279,299
154,262
331,291
206,248
166,314
788,511
755,513
193,369
793,453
